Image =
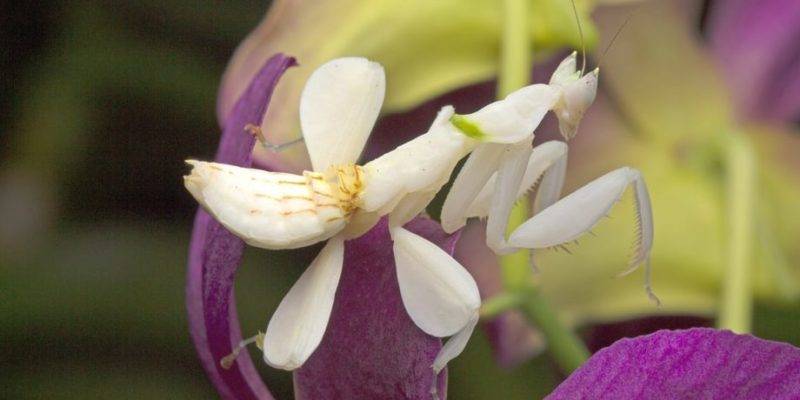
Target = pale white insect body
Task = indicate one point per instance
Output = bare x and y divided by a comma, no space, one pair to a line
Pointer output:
496,175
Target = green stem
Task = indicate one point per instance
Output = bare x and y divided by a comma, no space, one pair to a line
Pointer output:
566,348
501,303
515,67
736,307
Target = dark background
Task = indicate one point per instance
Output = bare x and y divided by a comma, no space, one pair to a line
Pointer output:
101,102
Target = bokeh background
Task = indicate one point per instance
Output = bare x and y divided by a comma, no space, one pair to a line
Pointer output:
101,102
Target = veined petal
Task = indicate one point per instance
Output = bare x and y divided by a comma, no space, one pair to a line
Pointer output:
271,210
695,363
439,294
215,253
338,108
297,326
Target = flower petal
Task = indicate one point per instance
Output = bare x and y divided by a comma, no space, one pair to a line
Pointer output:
215,253
338,107
439,294
756,42
266,209
372,349
695,363
296,328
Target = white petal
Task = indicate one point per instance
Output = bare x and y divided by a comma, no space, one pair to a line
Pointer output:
575,214
454,346
438,293
474,175
267,209
297,327
338,107
512,119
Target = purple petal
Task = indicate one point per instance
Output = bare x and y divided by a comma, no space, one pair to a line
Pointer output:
756,44
372,349
698,363
215,254
604,335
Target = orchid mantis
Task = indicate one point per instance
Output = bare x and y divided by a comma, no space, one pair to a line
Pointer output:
497,173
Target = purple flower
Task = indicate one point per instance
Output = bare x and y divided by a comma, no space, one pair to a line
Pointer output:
756,43
697,363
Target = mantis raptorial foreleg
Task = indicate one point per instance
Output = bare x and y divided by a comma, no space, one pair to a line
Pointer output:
518,173
575,214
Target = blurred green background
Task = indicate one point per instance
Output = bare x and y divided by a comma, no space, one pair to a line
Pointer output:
101,103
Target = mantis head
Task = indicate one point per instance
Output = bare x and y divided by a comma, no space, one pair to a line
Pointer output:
577,93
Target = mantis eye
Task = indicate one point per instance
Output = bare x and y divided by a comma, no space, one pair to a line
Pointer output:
577,97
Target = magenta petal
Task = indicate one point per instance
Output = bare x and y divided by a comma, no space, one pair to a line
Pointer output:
698,363
215,254
756,44
372,349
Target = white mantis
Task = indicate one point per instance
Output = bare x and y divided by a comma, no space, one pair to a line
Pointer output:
496,175
340,200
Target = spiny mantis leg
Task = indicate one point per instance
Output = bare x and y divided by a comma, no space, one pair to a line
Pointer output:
518,173
575,214
255,130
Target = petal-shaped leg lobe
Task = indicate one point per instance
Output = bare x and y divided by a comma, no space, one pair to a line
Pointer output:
438,293
338,107
297,326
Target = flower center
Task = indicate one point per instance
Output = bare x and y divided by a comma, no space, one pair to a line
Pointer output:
347,180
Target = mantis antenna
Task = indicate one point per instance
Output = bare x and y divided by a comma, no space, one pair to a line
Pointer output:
614,38
580,33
